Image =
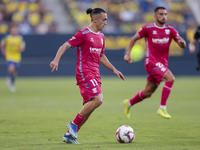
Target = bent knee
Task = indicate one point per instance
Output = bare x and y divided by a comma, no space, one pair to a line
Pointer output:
172,79
147,95
11,69
98,101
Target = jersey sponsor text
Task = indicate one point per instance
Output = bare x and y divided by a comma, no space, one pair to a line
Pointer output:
95,50
161,41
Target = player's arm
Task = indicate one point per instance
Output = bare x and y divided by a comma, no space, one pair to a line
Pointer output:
60,52
22,47
2,45
104,60
127,56
181,42
192,46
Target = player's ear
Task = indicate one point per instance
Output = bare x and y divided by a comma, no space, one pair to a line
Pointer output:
155,13
155,16
95,19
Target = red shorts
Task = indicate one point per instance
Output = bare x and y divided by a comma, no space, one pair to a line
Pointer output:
89,89
156,71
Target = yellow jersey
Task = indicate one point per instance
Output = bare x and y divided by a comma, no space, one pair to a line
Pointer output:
12,45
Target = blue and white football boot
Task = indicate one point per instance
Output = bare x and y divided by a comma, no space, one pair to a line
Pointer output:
72,129
69,139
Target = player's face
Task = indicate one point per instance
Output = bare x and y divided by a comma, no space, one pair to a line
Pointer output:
102,21
161,16
14,31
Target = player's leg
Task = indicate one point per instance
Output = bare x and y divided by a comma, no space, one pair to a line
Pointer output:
198,61
90,106
91,92
169,80
84,114
75,125
147,92
68,138
11,75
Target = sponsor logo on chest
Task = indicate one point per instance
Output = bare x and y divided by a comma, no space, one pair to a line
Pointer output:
160,41
95,50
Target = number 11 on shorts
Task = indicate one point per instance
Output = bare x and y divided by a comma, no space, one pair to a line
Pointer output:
94,82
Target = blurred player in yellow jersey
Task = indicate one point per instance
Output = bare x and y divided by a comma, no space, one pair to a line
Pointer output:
11,47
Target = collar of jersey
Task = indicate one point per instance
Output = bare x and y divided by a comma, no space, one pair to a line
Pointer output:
93,31
159,27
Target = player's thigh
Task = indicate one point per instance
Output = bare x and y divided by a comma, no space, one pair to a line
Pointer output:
98,97
97,100
12,66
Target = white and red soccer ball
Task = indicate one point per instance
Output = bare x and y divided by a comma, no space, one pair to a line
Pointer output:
125,134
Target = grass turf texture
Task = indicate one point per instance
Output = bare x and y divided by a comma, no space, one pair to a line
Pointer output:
35,116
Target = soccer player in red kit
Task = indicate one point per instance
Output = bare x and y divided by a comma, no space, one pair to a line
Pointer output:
158,37
90,43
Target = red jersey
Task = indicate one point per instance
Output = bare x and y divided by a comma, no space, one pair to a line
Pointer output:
158,41
90,46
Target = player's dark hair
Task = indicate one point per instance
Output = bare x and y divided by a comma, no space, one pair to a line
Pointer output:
160,7
94,11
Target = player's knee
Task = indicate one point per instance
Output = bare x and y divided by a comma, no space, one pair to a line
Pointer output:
147,94
172,79
11,69
98,101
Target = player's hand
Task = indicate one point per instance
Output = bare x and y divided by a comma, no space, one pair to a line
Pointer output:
181,42
54,65
192,48
127,58
4,54
119,74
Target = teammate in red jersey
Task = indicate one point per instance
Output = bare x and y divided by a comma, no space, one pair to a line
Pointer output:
90,43
158,37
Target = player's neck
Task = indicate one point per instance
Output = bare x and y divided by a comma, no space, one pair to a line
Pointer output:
93,28
159,25
14,34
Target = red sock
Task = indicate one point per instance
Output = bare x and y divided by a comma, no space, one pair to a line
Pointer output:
137,98
78,119
166,92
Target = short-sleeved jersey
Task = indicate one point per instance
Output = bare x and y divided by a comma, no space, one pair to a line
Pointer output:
12,45
90,46
158,42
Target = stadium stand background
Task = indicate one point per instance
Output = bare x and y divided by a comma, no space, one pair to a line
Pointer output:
127,16
31,16
46,24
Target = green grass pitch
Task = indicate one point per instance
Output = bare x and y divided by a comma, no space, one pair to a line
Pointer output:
34,118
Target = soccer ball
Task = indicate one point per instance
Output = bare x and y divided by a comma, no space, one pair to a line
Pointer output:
125,134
